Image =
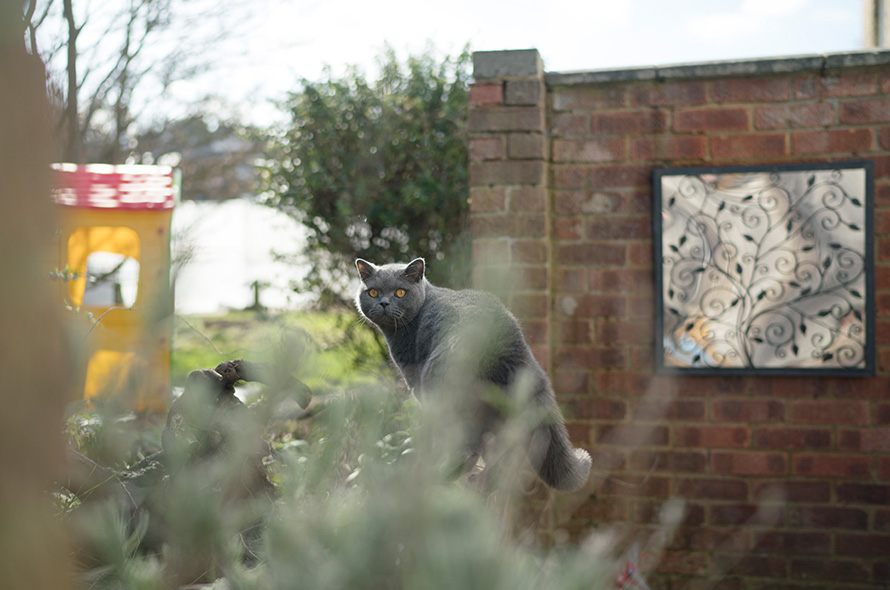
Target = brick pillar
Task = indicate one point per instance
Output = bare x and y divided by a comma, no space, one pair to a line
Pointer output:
509,201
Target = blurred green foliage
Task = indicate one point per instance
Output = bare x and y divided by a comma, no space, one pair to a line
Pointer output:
364,492
377,169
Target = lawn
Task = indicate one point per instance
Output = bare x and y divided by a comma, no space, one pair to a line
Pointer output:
329,350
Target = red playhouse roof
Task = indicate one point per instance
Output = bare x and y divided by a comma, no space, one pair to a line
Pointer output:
103,186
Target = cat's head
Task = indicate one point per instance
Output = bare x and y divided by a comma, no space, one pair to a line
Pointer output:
391,295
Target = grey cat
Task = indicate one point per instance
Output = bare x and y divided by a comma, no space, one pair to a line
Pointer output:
467,340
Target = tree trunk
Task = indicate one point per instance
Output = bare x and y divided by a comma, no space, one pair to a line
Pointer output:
74,144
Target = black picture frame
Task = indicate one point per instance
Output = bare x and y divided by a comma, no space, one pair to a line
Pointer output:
765,269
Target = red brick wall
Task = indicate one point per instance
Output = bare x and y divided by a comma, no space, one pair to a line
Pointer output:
786,480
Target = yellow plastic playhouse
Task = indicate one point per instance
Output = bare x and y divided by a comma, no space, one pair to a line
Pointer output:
114,257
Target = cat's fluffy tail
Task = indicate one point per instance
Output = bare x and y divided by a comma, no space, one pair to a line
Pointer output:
559,464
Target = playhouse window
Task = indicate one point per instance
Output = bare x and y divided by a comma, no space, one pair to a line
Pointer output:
111,279
107,260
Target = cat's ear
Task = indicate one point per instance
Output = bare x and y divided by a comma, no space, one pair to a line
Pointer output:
414,270
365,269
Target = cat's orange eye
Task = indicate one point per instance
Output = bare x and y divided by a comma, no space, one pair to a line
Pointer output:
400,293
373,292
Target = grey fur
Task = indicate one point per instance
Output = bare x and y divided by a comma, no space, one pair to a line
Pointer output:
442,338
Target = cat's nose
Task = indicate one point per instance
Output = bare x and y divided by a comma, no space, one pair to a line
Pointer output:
383,304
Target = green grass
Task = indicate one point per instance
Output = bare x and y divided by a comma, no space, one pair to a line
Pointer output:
328,349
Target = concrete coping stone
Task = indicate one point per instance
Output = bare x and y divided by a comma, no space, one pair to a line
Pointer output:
720,69
514,63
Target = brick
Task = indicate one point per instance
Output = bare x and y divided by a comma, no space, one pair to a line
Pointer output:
882,520
711,385
571,280
828,517
873,440
755,566
709,539
794,115
568,98
825,570
885,82
500,173
579,433
669,461
741,147
568,229
833,85
632,436
563,176
568,382
624,332
712,436
630,384
751,90
885,138
603,280
786,387
524,92
675,410
829,412
747,463
487,148
836,141
590,357
536,332
591,254
530,278
603,177
602,509
641,255
487,199
490,251
711,119
619,228
865,111
790,490
793,542
597,409
589,150
881,572
526,146
842,466
670,147
486,95
651,487
668,94
882,414
527,198
528,305
506,119
682,562
713,489
529,252
500,226
861,493
569,124
629,123
748,411
745,515
596,203
884,468
795,439
858,544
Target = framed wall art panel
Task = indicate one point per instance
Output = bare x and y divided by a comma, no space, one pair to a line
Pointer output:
765,269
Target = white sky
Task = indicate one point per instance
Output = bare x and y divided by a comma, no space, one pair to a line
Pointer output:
291,39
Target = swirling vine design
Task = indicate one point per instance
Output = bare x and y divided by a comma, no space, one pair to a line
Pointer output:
764,270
